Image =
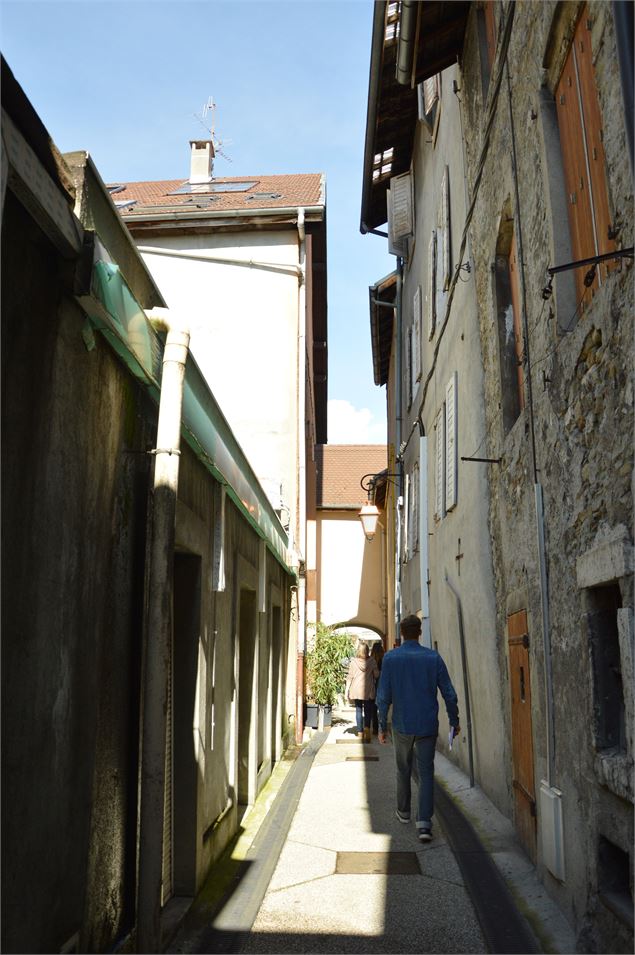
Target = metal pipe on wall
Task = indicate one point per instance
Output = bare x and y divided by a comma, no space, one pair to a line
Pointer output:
159,630
466,692
301,471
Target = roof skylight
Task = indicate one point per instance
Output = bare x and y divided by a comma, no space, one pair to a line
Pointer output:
213,186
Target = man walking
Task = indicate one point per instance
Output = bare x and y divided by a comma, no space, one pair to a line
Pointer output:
410,677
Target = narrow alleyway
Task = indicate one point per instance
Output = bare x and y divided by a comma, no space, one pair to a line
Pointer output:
340,874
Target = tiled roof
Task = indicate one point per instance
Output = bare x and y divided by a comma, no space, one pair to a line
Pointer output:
264,192
340,468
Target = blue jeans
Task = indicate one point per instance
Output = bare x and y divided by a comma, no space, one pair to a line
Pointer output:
363,713
421,767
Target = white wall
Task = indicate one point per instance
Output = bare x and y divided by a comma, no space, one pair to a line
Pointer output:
351,585
244,324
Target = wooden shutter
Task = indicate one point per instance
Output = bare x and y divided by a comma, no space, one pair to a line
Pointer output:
490,30
432,285
590,108
439,456
401,208
416,336
430,93
583,159
450,444
514,285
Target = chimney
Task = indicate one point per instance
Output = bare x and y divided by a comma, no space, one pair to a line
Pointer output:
202,160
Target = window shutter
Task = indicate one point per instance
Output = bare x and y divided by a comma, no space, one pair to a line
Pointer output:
400,214
592,128
421,108
406,523
445,220
430,93
414,507
450,441
432,285
416,337
439,454
514,287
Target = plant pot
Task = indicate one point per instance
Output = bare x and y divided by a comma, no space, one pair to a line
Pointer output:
312,714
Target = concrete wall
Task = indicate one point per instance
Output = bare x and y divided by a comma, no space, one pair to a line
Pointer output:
583,422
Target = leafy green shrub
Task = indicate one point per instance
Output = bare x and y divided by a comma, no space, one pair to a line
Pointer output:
325,675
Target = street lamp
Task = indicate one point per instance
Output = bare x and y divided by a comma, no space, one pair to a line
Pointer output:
368,516
369,513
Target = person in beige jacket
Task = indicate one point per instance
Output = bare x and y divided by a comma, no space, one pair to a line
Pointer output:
361,683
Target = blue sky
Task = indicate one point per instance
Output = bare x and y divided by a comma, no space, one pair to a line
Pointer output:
290,80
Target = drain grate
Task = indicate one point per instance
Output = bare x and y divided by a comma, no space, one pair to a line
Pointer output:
361,759
377,863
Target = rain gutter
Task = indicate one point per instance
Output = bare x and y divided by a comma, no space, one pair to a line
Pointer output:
115,313
316,213
406,42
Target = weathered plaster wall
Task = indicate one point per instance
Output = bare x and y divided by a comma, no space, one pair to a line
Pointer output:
463,530
583,421
74,514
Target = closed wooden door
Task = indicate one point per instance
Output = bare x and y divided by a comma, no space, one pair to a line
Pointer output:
522,735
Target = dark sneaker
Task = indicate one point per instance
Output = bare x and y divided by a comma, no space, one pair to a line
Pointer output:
425,835
402,817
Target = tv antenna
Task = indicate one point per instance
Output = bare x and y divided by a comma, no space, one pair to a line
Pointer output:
208,113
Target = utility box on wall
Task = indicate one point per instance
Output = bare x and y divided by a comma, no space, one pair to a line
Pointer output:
551,825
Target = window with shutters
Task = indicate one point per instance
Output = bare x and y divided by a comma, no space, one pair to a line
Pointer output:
583,159
510,339
439,465
428,95
446,452
412,513
400,207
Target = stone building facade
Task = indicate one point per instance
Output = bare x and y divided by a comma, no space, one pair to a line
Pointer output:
531,96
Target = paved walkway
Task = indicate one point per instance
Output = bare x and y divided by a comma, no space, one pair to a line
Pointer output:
331,870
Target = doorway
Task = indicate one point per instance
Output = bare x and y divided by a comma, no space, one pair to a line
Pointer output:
246,691
522,732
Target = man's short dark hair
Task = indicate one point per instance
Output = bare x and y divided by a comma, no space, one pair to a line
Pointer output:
410,626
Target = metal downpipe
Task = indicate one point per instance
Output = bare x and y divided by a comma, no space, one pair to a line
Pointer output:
468,712
301,443
159,630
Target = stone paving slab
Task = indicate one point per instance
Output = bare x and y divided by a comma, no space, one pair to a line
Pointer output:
309,907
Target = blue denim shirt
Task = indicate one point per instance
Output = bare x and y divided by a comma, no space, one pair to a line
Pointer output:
410,677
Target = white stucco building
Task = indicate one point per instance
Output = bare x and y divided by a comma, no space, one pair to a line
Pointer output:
244,261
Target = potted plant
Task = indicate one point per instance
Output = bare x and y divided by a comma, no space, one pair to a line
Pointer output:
325,675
